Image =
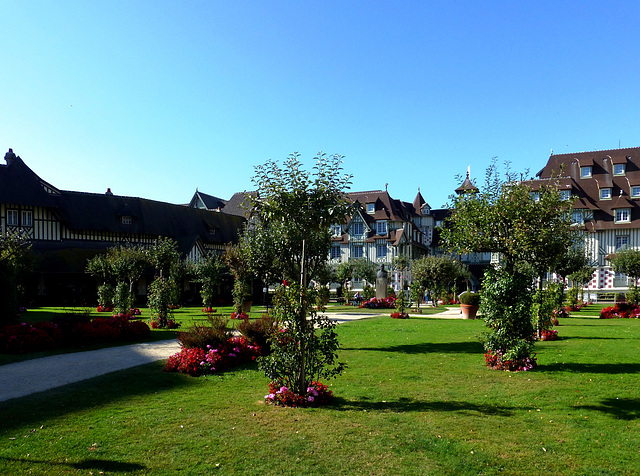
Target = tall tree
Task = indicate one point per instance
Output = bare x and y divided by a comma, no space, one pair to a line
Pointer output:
628,262
434,273
14,262
292,212
164,256
530,231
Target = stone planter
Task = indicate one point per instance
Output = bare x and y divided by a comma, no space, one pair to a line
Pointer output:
246,306
469,311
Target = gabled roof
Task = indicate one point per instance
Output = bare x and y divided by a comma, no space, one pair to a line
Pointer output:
238,204
208,202
20,185
385,207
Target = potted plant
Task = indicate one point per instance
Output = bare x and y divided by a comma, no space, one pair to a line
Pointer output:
469,304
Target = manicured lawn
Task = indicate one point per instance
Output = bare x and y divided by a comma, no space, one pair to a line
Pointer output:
416,399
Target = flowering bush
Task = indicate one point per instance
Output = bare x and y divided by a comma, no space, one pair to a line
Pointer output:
209,310
198,361
549,334
171,324
384,303
317,395
621,310
400,315
239,315
495,360
68,332
560,313
102,308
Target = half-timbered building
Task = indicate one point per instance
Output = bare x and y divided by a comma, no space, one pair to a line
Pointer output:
66,228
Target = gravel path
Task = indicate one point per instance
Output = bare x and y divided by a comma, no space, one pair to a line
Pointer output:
38,375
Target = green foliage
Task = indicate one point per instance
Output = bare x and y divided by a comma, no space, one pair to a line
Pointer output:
208,273
164,290
322,297
237,258
401,302
364,269
469,298
368,292
106,295
200,336
259,331
417,293
545,301
305,347
160,295
628,262
344,272
506,306
435,273
292,213
572,296
15,262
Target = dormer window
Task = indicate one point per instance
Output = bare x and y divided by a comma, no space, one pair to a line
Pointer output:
565,194
126,220
605,193
336,230
426,210
623,215
585,172
619,169
635,192
371,207
381,228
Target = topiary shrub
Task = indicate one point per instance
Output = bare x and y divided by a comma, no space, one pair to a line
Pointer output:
469,298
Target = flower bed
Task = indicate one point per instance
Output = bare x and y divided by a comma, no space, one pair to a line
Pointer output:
241,315
317,395
21,338
196,361
384,303
621,310
400,315
495,361
548,334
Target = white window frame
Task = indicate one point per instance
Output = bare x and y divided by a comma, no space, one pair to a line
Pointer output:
635,191
358,251
577,217
619,169
13,217
371,207
27,218
335,252
605,193
357,229
126,220
622,215
586,171
336,230
622,242
565,194
381,251
381,228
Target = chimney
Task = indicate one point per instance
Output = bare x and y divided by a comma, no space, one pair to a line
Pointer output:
108,192
10,157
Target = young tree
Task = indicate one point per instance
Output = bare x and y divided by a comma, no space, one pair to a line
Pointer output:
14,263
529,234
164,256
628,262
434,273
363,269
127,264
208,273
292,212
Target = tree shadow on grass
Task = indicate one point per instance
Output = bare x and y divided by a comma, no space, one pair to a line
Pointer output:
99,465
620,368
121,385
470,347
621,408
407,405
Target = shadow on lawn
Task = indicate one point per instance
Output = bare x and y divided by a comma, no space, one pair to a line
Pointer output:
101,465
619,368
406,405
469,347
621,408
90,393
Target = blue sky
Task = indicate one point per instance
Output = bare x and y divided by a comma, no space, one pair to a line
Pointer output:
156,98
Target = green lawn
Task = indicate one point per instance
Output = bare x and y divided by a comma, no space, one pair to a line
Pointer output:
416,399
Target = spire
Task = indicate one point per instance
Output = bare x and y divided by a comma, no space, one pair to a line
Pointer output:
467,186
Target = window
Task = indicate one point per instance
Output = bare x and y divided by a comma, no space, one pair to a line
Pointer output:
623,215
565,194
585,172
605,194
426,210
577,218
619,169
381,228
336,230
335,252
27,218
622,242
371,207
127,220
635,192
357,229
381,251
12,218
535,196
357,251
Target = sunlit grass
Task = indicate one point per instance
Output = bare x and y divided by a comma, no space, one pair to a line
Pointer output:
415,399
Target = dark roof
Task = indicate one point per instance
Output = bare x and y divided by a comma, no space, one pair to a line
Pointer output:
208,202
564,169
238,205
20,185
467,186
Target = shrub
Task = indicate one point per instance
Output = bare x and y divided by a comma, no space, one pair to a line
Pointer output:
317,394
384,303
621,310
258,331
400,315
201,336
469,298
